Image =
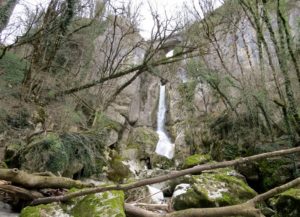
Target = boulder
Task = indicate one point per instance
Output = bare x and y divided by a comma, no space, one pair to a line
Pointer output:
212,189
287,204
72,155
49,210
106,204
143,140
195,160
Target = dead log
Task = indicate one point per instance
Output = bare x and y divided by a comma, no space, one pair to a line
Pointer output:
31,181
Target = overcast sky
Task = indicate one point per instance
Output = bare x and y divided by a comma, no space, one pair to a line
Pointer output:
171,7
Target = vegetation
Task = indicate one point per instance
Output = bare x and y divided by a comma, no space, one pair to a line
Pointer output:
79,91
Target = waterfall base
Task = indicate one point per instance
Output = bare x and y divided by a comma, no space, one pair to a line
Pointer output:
164,146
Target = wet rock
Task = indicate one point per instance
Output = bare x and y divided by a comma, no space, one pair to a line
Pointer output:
212,189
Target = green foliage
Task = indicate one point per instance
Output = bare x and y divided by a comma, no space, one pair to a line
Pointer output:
13,68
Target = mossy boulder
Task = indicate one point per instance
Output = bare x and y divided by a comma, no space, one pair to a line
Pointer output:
144,141
196,159
69,154
287,204
106,204
48,210
101,121
118,171
274,172
212,189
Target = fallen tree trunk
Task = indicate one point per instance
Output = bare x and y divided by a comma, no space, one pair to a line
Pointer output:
20,192
245,209
32,181
171,175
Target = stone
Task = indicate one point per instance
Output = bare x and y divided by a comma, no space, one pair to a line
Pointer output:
216,188
143,140
196,159
287,204
72,155
49,210
106,204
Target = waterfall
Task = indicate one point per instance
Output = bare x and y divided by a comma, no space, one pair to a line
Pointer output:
164,146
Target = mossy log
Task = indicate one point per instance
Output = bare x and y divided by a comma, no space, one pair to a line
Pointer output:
32,181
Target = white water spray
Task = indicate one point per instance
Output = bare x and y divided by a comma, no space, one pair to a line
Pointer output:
164,146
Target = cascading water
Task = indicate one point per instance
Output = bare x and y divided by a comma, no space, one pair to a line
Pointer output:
164,146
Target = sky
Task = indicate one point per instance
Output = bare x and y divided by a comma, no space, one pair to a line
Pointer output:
169,7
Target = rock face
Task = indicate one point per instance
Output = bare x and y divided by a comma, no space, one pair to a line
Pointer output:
106,204
143,141
213,189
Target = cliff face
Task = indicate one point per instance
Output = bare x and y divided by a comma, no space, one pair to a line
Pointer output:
232,57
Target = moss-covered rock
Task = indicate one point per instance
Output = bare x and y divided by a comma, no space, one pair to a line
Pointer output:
70,154
106,204
287,204
101,121
196,159
144,141
118,171
49,210
274,172
212,189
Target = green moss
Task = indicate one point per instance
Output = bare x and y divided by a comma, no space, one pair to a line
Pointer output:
287,204
39,211
144,140
118,171
196,160
106,204
272,173
216,188
191,199
69,154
